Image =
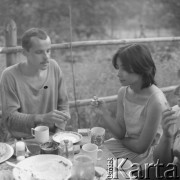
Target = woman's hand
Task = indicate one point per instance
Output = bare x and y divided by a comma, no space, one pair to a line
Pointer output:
176,146
169,120
99,107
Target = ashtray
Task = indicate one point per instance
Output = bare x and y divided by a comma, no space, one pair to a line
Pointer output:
49,148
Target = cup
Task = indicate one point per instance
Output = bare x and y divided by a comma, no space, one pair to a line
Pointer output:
92,151
41,133
97,136
83,168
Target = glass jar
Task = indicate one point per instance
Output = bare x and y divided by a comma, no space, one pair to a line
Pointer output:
20,148
66,149
83,168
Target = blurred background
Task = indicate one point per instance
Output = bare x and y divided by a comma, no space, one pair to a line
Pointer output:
99,20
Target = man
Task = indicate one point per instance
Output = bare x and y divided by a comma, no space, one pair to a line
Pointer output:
34,92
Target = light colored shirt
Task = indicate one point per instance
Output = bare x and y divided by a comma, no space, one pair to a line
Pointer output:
21,101
135,114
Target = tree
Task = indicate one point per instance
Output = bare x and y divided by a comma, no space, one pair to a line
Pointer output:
171,13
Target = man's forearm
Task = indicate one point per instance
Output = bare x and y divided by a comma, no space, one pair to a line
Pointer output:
163,150
19,122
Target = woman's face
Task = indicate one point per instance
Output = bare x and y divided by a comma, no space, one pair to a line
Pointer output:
127,78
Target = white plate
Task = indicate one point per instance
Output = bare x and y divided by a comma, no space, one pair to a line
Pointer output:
72,136
102,172
8,153
44,166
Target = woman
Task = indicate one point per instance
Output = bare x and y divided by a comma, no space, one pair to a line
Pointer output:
139,105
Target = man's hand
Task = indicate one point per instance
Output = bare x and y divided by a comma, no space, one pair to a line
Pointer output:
56,117
53,117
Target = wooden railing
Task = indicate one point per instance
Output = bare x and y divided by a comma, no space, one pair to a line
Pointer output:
108,99
12,49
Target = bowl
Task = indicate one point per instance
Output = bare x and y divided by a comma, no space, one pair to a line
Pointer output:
34,148
49,148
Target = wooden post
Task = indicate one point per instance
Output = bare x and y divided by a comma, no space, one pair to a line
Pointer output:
11,41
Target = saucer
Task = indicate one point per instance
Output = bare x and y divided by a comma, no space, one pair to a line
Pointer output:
100,173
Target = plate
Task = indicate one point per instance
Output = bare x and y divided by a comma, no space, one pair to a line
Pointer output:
6,152
102,173
72,136
46,167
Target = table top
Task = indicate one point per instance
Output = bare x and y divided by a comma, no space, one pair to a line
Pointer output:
4,167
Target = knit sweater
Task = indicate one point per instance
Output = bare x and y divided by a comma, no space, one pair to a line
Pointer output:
21,101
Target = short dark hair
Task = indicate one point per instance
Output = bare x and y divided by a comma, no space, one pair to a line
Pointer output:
33,32
136,58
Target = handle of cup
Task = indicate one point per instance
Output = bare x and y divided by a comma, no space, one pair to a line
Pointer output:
99,154
32,131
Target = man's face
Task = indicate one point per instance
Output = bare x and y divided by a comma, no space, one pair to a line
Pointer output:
39,54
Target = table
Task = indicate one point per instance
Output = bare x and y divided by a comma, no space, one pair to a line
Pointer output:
102,163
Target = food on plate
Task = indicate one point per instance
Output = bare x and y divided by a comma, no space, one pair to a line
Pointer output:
3,149
49,169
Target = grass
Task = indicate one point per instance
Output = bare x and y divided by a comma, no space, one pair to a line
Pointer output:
95,75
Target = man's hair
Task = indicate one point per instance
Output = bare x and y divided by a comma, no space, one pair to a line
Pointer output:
136,58
33,32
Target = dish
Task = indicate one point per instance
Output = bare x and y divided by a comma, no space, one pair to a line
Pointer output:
69,135
43,167
49,148
33,148
100,173
6,152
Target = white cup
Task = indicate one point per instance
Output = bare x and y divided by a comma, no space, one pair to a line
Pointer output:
41,133
92,151
97,136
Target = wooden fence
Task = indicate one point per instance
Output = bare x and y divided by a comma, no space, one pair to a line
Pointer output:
12,49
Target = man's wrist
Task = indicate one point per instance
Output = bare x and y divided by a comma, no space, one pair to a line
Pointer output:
38,119
168,139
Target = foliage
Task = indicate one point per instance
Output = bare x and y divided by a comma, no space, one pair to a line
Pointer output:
102,19
90,18
95,75
171,13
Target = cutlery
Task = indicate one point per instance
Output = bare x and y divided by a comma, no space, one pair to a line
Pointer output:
20,168
15,166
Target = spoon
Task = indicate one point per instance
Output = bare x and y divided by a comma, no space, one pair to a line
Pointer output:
20,168
15,166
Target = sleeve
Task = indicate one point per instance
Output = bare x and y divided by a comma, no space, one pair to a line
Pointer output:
63,104
13,119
